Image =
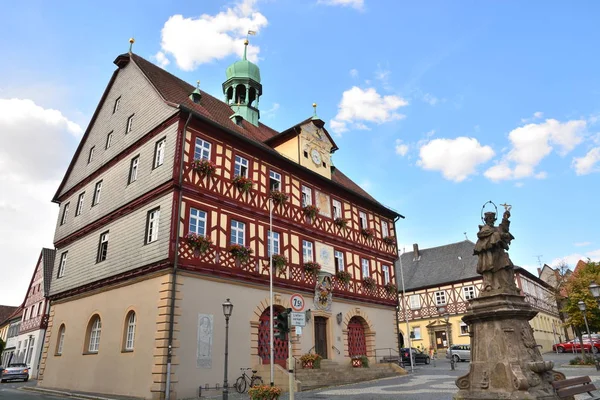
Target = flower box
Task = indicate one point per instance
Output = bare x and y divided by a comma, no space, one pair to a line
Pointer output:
367,232
369,283
391,288
312,268
199,243
310,211
204,167
243,184
343,276
264,392
279,262
311,361
389,240
278,197
240,253
341,222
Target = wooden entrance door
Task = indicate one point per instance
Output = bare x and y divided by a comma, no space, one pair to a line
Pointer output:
321,336
357,342
440,339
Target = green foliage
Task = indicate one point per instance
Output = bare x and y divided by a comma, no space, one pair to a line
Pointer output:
586,360
577,288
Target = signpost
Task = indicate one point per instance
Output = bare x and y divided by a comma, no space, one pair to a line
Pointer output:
298,318
297,302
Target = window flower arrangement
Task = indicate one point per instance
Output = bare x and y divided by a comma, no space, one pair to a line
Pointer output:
343,276
312,268
280,262
240,253
310,360
341,222
391,288
243,184
264,392
390,240
367,232
204,167
279,197
199,243
310,211
369,282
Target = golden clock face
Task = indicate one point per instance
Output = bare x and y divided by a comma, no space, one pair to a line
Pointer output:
315,156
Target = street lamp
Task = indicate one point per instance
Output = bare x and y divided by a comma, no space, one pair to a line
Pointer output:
595,290
227,309
582,307
447,318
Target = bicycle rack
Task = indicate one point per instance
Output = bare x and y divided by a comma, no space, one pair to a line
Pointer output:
207,387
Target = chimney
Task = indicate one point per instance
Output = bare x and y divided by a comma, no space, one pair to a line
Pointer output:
416,251
539,272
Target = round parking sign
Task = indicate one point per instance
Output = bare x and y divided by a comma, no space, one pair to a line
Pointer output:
297,302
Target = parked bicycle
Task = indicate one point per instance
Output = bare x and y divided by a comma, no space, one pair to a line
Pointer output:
241,384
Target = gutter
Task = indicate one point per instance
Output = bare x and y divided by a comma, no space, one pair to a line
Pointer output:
175,263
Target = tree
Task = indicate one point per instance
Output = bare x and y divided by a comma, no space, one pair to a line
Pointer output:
577,288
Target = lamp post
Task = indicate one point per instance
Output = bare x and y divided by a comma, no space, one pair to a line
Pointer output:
595,290
227,309
582,307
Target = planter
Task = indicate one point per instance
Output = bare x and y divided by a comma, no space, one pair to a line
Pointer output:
341,222
204,167
278,197
311,211
312,268
243,184
307,365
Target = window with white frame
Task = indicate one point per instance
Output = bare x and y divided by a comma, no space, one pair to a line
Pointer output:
130,334
468,292
202,150
108,140
273,238
241,167
385,230
414,301
129,124
97,192
306,196
307,251
338,257
61,340
91,154
386,274
417,332
274,180
440,297
103,247
365,267
238,232
133,169
464,328
363,220
62,264
197,222
65,214
152,225
40,307
159,152
30,351
337,209
79,208
94,338
117,104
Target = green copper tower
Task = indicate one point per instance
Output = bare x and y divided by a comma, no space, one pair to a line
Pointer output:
242,88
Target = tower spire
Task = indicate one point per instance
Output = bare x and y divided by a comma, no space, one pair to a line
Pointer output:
245,49
131,42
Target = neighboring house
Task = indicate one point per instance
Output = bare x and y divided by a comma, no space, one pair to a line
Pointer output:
556,279
5,312
124,264
12,346
446,277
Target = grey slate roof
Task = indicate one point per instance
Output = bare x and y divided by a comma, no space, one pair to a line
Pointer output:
5,312
48,265
438,265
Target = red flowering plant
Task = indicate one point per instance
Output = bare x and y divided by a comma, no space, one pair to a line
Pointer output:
243,184
310,211
369,282
343,276
264,392
280,262
198,243
341,222
240,253
367,232
312,268
278,197
391,288
390,240
204,167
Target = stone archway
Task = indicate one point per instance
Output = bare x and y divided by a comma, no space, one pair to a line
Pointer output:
357,325
280,347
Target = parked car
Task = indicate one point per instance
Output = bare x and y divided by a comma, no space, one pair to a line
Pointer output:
460,352
575,345
418,356
15,371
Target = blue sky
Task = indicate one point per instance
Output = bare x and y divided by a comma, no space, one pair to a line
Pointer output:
436,106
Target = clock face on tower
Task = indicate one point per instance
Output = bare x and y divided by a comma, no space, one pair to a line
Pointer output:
316,156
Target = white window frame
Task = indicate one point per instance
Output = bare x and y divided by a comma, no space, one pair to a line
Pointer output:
274,243
152,225
337,209
440,298
466,331
95,332
385,229
197,220
61,340
339,257
103,247
62,264
365,267
97,193
241,166
417,332
274,177
238,231
65,214
306,196
91,154
133,169
202,149
129,124
159,152
30,350
130,335
386,274
414,301
117,104
40,306
308,254
468,292
364,222
79,208
108,140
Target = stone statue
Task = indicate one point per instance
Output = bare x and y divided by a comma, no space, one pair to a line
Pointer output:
494,263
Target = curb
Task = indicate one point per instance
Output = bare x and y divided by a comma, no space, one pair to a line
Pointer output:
67,394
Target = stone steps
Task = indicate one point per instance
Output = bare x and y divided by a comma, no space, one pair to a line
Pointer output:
333,374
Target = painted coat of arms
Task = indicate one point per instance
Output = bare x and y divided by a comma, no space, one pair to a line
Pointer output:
323,296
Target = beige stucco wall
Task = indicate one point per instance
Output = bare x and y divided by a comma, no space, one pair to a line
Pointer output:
289,149
110,371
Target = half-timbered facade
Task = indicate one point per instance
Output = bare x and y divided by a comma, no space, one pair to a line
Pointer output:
163,165
442,280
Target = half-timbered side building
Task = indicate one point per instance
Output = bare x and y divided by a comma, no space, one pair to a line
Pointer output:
442,280
167,208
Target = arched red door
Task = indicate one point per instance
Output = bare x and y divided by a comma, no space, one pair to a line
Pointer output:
357,343
280,347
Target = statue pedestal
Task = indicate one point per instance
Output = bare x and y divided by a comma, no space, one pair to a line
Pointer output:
506,362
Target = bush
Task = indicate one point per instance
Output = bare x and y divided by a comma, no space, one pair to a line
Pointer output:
586,360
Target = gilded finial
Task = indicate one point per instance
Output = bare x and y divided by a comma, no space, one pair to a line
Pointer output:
198,84
315,113
246,42
245,48
131,42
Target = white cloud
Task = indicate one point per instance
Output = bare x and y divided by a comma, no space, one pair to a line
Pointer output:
359,106
354,73
358,4
531,143
430,99
541,175
587,164
519,184
572,259
538,114
29,176
401,148
195,41
161,59
456,158
582,244
270,113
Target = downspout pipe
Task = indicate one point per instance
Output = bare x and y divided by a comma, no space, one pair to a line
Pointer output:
175,261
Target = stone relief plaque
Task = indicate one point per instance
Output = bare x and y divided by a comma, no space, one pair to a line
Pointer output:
323,203
324,255
205,339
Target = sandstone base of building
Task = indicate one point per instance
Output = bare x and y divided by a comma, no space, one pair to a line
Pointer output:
506,361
